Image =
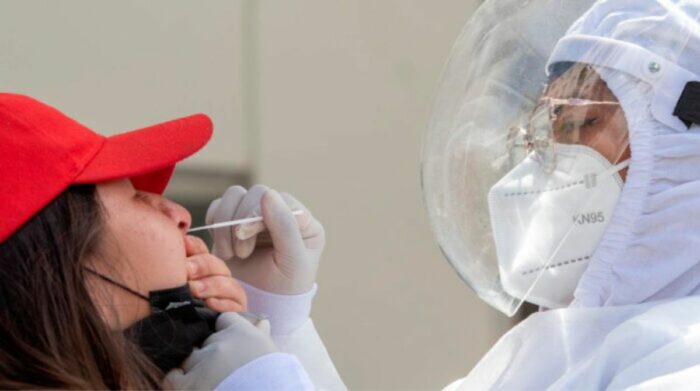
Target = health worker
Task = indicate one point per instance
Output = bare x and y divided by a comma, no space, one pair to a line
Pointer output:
562,168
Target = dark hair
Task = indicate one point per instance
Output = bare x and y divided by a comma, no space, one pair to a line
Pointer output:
559,68
51,332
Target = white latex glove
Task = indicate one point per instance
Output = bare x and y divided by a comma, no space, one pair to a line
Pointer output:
290,266
236,342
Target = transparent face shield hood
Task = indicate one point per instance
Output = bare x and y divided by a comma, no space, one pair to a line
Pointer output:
524,158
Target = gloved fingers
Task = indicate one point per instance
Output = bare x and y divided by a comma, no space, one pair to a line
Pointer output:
259,321
294,204
219,287
246,231
189,364
311,229
211,210
203,265
195,246
230,203
246,235
176,378
249,208
305,219
231,320
237,330
251,317
283,227
208,220
225,211
251,201
264,326
233,328
244,248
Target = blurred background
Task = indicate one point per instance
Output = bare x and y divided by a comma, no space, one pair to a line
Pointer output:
327,100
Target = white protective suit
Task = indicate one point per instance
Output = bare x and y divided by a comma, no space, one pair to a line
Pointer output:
635,319
300,337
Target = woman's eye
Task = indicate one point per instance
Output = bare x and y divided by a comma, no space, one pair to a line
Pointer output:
570,126
590,121
567,127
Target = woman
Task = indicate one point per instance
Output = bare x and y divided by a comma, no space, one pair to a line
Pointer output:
101,287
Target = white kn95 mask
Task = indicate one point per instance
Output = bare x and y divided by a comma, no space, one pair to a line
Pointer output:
546,225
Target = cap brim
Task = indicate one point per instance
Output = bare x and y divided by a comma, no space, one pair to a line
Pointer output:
148,156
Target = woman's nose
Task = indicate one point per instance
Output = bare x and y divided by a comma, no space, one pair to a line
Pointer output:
178,214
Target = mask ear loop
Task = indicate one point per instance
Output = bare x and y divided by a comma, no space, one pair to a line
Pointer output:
616,168
115,283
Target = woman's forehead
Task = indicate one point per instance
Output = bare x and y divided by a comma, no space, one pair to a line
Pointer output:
115,188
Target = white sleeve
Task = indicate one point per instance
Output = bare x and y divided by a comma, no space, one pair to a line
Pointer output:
293,332
257,375
306,344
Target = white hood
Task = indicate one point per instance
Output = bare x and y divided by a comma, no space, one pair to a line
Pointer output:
646,51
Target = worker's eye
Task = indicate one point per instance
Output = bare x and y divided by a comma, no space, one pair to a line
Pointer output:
590,121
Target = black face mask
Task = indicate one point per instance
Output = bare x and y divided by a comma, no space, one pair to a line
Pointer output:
177,324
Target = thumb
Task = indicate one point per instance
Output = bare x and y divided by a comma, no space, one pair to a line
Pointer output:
176,378
264,326
283,227
231,320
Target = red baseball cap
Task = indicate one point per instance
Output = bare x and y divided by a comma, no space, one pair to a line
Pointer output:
43,152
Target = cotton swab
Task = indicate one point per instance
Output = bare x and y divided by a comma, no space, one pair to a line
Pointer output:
236,222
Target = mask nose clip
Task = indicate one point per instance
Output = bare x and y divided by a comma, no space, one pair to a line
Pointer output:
590,180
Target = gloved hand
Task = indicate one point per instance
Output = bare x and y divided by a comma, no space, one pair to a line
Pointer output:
290,266
236,342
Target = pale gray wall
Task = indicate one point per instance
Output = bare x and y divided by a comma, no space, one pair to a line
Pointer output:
325,99
118,65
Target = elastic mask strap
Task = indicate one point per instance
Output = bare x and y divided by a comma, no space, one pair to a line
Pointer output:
115,283
616,168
